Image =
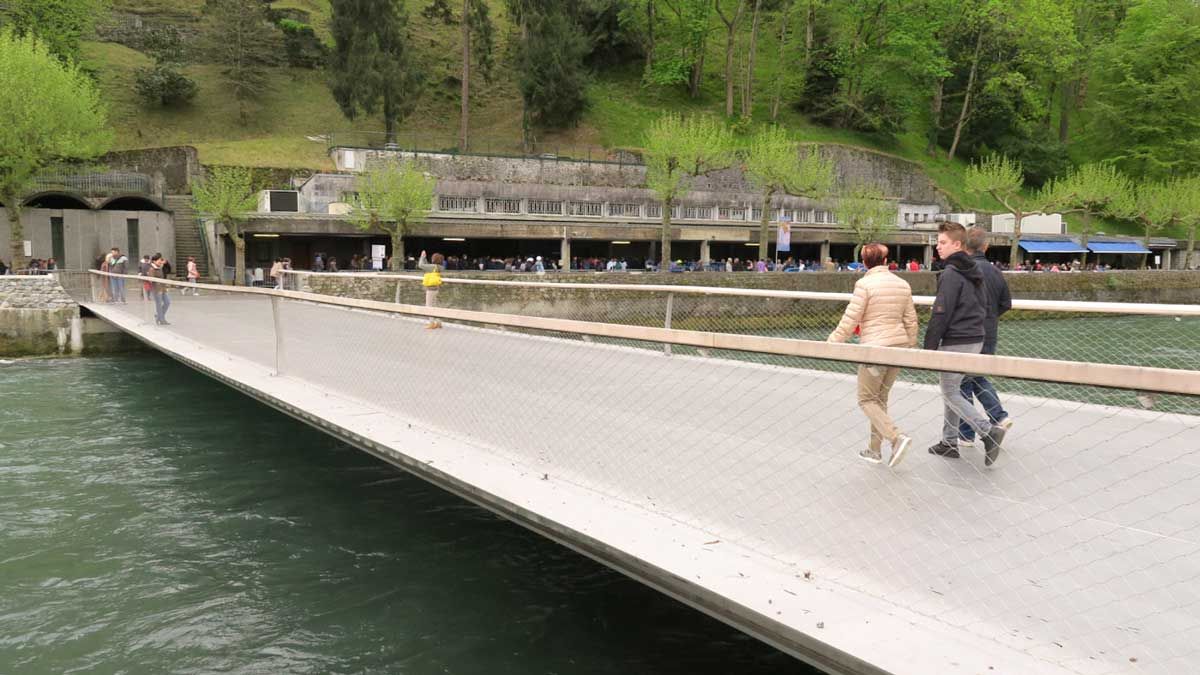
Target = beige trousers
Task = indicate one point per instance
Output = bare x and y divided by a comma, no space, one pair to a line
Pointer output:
873,391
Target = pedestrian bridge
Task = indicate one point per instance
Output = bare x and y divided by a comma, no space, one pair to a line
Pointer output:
719,466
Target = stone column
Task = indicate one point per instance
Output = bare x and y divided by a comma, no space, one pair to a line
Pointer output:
1166,258
824,251
704,253
566,254
653,255
928,256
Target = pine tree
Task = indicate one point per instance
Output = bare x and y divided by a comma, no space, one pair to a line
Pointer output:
371,69
241,38
552,74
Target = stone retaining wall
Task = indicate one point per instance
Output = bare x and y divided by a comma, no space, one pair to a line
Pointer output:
35,316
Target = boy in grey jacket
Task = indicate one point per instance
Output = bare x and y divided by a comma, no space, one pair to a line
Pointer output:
957,325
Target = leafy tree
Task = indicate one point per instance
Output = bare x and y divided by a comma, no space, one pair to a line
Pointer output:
552,75
1147,102
52,113
1191,216
677,150
391,197
164,83
1001,178
478,43
1154,206
60,24
241,39
678,44
866,214
228,196
730,22
776,164
1091,190
371,68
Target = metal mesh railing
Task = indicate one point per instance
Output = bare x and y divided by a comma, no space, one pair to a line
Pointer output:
1159,336
96,184
483,145
1078,549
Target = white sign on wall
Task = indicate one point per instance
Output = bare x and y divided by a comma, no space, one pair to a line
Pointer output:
378,252
28,249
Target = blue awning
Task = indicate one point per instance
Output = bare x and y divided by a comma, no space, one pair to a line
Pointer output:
1035,246
1117,247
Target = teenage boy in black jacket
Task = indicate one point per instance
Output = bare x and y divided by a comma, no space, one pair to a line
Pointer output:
997,301
957,325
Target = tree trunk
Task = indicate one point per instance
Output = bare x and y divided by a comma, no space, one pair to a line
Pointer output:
810,19
1191,247
389,120
239,250
764,225
748,91
397,250
777,99
1014,255
1048,116
1064,113
466,75
1146,245
729,71
665,252
1083,239
966,105
16,233
935,112
649,34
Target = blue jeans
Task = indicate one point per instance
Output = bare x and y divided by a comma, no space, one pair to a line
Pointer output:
979,387
162,302
117,288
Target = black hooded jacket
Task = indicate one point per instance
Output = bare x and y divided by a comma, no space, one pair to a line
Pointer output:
959,310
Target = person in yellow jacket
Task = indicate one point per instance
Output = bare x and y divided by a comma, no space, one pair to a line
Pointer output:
432,282
882,312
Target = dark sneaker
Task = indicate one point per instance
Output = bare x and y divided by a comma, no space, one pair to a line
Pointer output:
944,449
991,444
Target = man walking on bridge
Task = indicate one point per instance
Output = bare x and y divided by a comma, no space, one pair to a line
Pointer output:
162,300
956,325
882,312
998,300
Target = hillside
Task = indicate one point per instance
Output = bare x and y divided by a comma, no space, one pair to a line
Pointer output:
291,126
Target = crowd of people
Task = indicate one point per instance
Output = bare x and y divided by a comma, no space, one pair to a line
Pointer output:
971,296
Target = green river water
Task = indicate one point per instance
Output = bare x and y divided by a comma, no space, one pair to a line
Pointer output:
154,521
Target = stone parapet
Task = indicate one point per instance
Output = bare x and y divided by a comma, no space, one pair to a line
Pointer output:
36,316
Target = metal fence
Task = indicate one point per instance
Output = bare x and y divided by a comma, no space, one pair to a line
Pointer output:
96,184
412,141
1077,550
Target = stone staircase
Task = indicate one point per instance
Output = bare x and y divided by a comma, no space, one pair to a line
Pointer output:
187,236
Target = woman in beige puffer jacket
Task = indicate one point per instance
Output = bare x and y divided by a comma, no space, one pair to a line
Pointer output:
882,309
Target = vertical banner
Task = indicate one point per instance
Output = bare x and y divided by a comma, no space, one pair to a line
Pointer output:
783,238
378,251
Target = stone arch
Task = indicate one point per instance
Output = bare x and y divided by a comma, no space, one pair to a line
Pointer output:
56,199
130,202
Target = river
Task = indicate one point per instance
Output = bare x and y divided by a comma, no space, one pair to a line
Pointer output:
155,521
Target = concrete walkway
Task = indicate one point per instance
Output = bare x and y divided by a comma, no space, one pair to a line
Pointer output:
735,487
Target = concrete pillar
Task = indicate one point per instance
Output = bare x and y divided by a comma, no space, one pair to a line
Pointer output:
565,255
653,255
928,256
824,250
1166,258
76,335
704,253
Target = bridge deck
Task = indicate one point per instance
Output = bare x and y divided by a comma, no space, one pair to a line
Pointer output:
1053,561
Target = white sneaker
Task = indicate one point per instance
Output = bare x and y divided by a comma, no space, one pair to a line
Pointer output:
899,447
964,444
871,456
1006,423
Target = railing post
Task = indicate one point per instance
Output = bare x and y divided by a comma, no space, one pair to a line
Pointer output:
278,335
667,322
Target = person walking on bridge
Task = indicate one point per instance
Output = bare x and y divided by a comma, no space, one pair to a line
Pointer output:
997,301
432,282
882,312
117,264
162,300
956,325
